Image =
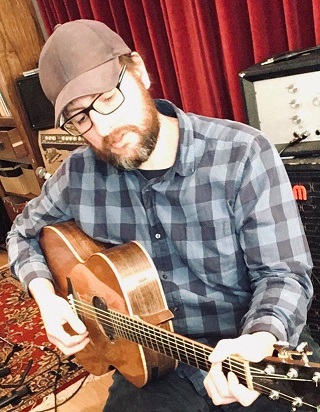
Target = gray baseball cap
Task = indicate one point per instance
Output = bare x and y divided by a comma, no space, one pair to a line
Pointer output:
80,58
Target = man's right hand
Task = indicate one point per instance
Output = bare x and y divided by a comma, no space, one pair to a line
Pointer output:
56,312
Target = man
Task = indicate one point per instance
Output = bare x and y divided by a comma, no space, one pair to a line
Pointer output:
209,199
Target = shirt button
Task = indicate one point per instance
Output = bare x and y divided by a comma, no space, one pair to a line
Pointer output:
165,277
157,236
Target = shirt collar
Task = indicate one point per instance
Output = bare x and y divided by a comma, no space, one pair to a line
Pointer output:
185,159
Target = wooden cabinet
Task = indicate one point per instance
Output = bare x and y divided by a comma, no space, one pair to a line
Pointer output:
21,41
12,145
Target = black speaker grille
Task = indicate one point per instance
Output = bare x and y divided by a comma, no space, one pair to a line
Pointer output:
39,109
308,176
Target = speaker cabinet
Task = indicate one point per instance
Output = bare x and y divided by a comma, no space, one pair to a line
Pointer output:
39,109
304,176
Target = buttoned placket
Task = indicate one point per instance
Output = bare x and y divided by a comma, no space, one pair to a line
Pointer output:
157,233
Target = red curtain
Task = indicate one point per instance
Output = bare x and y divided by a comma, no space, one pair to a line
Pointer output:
195,49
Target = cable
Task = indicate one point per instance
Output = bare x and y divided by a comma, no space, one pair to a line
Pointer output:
4,372
297,139
16,395
68,399
62,403
22,379
55,387
15,348
56,380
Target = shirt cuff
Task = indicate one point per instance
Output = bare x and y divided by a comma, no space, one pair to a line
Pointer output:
267,324
30,271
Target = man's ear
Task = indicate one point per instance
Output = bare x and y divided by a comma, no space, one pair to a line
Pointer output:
140,69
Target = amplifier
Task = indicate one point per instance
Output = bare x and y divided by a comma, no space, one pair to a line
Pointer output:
55,146
282,99
304,176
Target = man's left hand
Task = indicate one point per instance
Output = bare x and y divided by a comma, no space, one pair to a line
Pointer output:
224,389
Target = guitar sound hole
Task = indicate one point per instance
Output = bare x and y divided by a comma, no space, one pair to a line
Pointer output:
101,310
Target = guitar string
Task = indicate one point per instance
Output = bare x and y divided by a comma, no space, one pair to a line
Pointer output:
175,339
256,386
261,388
236,365
134,322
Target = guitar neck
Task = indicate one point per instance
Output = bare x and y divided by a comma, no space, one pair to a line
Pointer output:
152,337
161,340
196,354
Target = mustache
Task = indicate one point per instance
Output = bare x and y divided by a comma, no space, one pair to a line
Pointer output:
116,134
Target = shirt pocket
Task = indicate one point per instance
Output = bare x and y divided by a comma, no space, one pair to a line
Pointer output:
210,248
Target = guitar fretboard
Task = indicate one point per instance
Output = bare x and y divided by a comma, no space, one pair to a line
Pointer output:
153,337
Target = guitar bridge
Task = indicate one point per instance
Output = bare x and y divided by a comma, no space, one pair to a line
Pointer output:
72,296
72,304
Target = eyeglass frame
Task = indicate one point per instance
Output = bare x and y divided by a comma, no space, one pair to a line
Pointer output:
88,109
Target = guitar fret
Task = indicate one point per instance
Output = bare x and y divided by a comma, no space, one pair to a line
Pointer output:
162,341
184,350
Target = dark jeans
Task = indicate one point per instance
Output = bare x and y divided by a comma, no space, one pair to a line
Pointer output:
173,394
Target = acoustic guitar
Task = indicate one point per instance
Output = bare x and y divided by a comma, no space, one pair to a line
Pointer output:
116,292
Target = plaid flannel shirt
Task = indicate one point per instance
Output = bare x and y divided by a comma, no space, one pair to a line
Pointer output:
221,226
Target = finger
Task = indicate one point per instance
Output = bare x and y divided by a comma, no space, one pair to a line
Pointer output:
76,323
219,380
215,396
71,350
242,394
69,344
223,349
60,335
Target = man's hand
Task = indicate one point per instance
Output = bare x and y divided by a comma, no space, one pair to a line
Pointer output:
55,313
224,389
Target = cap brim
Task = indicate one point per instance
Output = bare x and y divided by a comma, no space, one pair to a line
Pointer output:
97,80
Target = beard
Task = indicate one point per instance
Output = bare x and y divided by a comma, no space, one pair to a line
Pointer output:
147,134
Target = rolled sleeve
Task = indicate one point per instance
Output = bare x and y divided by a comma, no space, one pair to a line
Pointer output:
275,247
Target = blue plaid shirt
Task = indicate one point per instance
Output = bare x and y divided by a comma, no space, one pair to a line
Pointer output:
221,226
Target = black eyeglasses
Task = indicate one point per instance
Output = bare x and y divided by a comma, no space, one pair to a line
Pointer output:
105,103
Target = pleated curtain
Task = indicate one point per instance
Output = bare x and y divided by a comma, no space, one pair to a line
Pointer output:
195,49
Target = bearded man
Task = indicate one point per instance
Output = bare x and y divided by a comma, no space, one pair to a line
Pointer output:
208,199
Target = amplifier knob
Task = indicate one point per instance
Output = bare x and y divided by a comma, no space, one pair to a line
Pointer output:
316,101
294,103
296,119
292,88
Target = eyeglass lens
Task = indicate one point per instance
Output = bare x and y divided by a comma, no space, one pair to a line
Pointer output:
104,104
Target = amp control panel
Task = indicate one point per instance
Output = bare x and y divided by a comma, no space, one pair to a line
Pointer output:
55,146
282,99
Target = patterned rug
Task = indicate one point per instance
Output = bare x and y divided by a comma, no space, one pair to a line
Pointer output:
33,362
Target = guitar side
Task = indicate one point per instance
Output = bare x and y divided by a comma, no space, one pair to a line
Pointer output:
124,279
117,293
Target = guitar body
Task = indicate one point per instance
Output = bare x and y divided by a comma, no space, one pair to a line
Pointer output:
120,278
117,293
